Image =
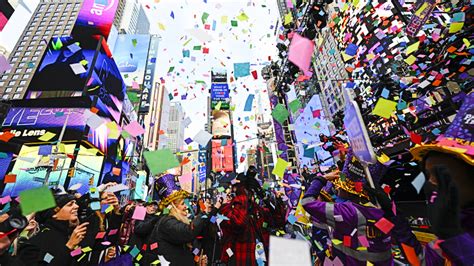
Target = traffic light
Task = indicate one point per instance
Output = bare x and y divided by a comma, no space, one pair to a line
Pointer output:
71,172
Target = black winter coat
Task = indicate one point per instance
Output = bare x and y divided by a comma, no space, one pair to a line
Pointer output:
143,230
173,236
50,240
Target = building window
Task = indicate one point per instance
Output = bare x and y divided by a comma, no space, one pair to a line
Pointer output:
34,58
47,32
14,59
28,70
18,70
8,89
21,64
4,77
16,96
22,82
37,53
26,76
5,96
20,47
11,83
20,89
27,53
22,43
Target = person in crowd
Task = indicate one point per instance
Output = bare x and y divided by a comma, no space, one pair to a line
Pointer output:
128,224
246,233
60,233
211,242
102,221
30,230
143,228
356,236
12,222
174,233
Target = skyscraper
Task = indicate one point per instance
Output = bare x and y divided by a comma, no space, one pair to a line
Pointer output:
331,74
133,18
51,18
156,121
176,127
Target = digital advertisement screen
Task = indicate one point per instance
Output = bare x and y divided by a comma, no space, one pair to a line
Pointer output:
115,172
29,123
222,156
31,169
221,125
95,18
130,54
66,71
220,93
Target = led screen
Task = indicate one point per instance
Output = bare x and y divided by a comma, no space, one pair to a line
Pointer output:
222,156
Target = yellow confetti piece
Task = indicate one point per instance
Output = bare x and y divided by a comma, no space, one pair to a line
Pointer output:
336,241
86,249
161,26
155,262
109,209
455,27
410,60
412,48
47,136
224,19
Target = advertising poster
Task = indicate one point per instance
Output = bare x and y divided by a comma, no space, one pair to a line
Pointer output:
221,125
95,18
66,70
220,93
222,156
130,55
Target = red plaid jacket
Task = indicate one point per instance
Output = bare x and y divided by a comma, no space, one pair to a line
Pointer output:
245,225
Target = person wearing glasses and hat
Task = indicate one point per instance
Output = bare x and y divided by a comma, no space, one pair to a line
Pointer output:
355,237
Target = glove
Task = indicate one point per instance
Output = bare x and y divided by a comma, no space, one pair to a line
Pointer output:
382,198
443,213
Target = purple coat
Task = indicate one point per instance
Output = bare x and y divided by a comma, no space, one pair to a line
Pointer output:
351,228
459,249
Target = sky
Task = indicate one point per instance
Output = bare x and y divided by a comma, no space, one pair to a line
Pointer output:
252,40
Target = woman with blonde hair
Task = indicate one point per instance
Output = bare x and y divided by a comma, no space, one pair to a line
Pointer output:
175,232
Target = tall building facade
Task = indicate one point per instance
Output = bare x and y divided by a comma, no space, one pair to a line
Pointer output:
175,127
331,74
119,13
51,18
133,19
156,121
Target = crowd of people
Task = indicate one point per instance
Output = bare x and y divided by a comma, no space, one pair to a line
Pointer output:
353,222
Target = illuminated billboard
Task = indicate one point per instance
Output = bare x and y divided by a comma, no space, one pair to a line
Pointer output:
31,169
148,79
221,125
130,55
220,93
222,155
95,18
69,70
28,123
